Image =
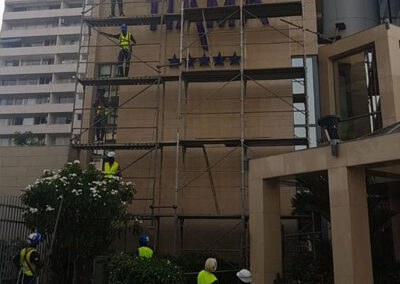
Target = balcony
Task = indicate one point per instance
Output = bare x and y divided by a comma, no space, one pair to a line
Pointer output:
39,50
38,108
38,69
37,129
41,14
52,31
34,89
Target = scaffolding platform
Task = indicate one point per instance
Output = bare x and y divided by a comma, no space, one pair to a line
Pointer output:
250,11
139,20
203,76
256,142
117,81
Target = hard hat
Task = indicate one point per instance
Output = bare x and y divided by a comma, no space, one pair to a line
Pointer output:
144,239
34,238
111,154
244,275
124,27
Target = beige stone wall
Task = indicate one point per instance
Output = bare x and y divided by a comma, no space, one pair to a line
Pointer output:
210,110
21,166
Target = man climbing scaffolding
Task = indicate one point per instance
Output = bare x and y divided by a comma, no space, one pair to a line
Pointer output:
125,42
101,111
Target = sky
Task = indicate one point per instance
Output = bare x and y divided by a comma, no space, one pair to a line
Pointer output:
1,11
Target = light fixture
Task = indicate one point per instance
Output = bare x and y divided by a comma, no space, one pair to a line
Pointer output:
329,124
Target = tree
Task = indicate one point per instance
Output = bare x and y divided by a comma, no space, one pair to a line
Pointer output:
26,138
92,211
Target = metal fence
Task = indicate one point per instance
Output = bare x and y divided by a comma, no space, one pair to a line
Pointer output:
13,233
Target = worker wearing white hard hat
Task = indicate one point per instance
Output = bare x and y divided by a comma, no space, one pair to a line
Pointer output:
111,167
244,275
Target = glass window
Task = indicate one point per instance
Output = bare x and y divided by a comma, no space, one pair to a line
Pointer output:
28,121
19,101
3,121
61,140
27,82
30,62
9,82
62,119
357,94
44,80
40,120
65,100
4,141
9,63
16,121
48,61
299,101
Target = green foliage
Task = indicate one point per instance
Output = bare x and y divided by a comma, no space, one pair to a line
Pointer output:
26,138
125,269
92,210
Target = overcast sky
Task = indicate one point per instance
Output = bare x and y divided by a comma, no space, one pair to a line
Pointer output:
1,11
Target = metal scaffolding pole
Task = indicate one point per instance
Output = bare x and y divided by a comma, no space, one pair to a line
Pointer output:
242,136
306,106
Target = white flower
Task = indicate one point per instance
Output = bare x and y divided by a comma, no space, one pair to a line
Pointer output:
129,183
73,175
77,162
33,210
123,203
49,208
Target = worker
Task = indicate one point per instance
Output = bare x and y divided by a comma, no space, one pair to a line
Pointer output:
207,276
28,260
101,112
120,7
244,275
125,41
144,250
111,167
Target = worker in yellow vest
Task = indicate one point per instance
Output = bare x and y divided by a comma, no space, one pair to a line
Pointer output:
111,167
101,111
125,42
207,276
144,250
28,260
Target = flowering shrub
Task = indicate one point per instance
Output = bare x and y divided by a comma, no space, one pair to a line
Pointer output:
92,210
125,269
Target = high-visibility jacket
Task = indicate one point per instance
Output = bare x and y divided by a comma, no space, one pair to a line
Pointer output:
110,171
24,259
145,252
124,41
205,277
101,110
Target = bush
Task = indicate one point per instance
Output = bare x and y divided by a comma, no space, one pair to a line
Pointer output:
125,269
92,211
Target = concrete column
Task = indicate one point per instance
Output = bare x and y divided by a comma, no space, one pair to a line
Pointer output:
350,226
265,230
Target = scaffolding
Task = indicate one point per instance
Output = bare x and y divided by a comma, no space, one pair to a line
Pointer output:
153,149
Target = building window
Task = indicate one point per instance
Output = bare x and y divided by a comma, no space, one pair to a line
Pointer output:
44,80
65,100
30,62
40,120
61,140
357,94
62,119
9,82
299,100
10,63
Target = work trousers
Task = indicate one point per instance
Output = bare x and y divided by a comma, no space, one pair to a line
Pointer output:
124,56
28,279
99,125
120,6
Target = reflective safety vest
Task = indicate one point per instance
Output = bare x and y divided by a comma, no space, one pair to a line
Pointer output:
124,41
110,171
101,110
24,260
145,252
205,277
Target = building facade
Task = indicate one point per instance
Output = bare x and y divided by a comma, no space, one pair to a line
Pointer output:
38,57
